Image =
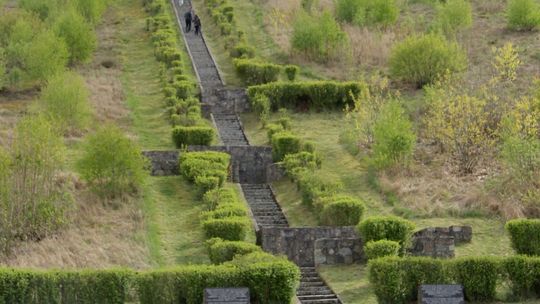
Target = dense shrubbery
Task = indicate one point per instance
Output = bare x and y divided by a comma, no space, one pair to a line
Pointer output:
184,136
112,164
32,204
340,210
65,101
386,228
525,235
368,12
46,54
204,167
291,71
381,248
523,15
78,35
421,59
453,16
253,72
312,94
284,143
319,38
273,281
221,251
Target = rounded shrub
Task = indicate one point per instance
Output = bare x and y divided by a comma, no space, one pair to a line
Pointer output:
112,163
222,251
523,15
230,228
341,210
386,227
45,44
194,135
420,59
291,71
78,34
381,248
284,143
525,235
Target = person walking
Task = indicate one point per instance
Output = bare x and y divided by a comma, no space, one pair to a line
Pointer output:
197,24
188,17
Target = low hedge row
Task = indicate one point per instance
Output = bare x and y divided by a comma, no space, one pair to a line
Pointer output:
396,280
221,251
197,167
308,95
254,72
525,235
185,115
269,282
381,248
390,228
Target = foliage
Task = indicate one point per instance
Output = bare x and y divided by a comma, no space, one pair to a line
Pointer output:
2,69
309,94
242,51
261,105
319,38
92,10
478,275
298,162
220,196
78,35
284,143
341,210
65,101
394,138
208,170
453,16
221,251
524,276
230,228
45,44
314,186
368,12
32,204
291,71
112,163
196,135
253,71
523,15
420,59
386,227
506,62
525,236
381,248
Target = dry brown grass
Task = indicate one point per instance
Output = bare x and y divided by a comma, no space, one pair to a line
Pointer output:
97,236
370,47
12,107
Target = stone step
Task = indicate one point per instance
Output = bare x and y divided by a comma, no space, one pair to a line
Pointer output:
304,291
321,301
316,297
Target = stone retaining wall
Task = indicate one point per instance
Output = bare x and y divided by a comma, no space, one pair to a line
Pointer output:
163,162
439,242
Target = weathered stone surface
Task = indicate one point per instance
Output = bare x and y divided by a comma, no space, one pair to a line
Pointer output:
439,242
226,295
313,246
163,162
441,294
461,234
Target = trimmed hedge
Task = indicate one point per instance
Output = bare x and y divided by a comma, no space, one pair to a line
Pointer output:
253,72
341,210
311,94
525,235
229,228
196,135
523,274
221,251
284,143
478,275
195,165
386,227
291,71
382,248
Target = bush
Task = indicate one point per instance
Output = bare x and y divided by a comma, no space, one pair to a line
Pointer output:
381,248
242,51
453,16
45,55
478,276
253,72
205,169
230,228
65,100
221,196
299,162
222,251
311,94
78,34
394,138
284,143
314,186
523,15
368,12
342,211
386,227
421,59
261,106
186,136
524,276
291,71
525,235
319,38
112,163
92,10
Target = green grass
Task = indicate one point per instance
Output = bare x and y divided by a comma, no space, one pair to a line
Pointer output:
350,282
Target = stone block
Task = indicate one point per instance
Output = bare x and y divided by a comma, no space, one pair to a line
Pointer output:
226,295
441,294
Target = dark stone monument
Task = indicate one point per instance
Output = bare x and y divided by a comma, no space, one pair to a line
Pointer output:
441,294
226,295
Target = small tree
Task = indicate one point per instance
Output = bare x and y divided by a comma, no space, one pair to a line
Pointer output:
78,35
44,56
65,100
506,62
112,164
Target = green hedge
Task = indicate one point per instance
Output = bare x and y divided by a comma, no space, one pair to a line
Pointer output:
382,248
253,72
386,227
230,228
291,71
221,251
341,210
312,94
209,163
196,135
525,235
284,143
478,275
523,274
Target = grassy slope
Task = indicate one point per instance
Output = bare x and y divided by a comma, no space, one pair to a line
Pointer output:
174,235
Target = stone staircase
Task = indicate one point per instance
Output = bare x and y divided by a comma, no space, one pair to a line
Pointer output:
263,205
230,130
313,290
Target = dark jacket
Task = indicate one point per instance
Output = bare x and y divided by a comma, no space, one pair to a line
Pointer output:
197,21
187,15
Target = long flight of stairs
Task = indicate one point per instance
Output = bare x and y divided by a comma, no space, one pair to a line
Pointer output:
263,205
313,290
230,130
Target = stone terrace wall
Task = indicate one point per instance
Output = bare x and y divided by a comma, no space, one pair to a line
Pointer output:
163,162
439,242
299,244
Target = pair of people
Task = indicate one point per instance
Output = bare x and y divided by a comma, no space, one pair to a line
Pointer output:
190,18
